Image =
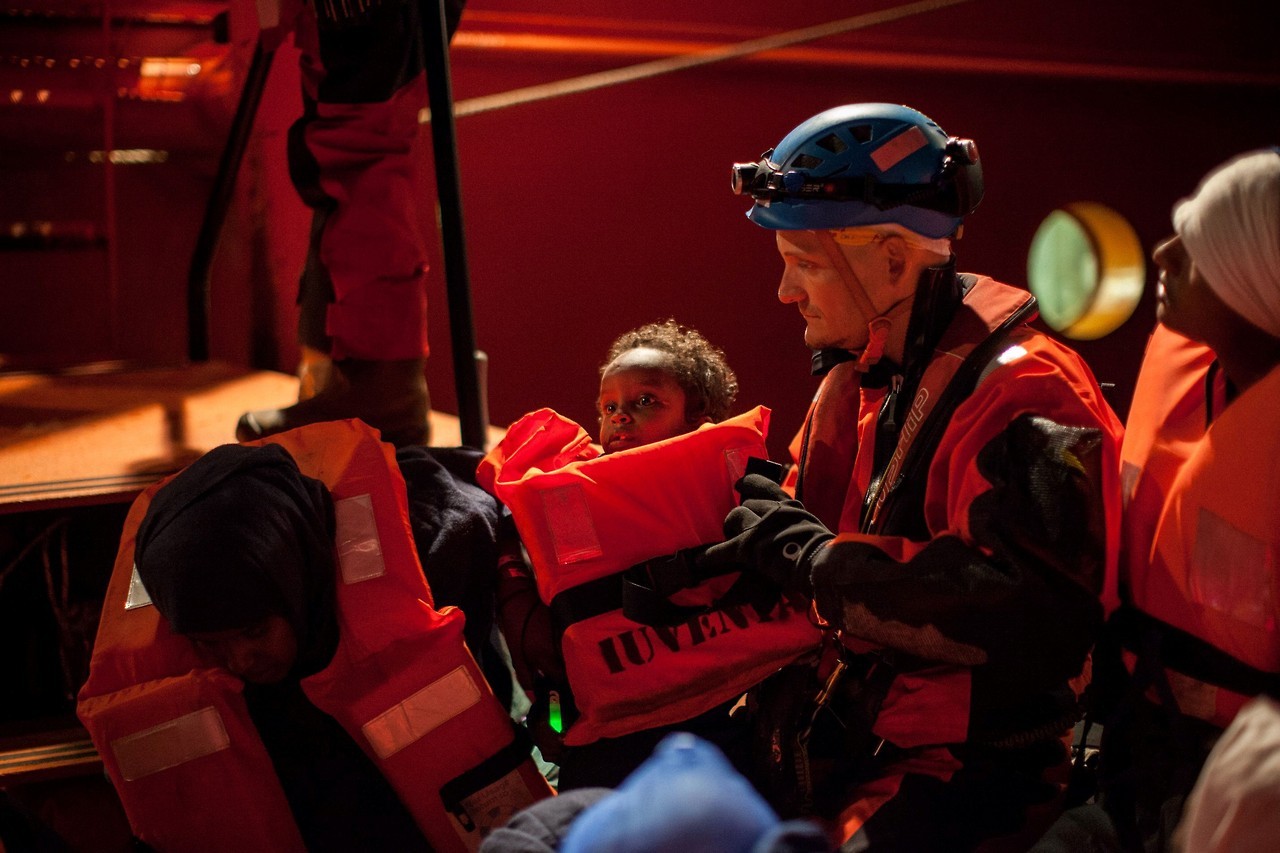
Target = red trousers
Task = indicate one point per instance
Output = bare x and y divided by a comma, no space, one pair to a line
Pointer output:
351,158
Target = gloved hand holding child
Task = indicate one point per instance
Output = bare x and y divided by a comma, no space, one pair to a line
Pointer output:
771,533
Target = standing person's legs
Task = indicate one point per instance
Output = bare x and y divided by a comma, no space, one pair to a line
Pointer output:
362,296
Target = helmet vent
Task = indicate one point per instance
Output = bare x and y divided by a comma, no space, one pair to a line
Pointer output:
806,161
861,132
832,143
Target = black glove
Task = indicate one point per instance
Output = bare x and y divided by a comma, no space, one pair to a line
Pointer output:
770,533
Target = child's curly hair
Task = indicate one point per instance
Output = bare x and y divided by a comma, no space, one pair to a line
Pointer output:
700,369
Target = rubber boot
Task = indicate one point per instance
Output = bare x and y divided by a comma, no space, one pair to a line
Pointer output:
390,396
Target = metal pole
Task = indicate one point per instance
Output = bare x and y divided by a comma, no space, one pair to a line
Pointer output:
449,194
215,213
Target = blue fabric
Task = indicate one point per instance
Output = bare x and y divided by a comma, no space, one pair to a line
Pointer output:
686,798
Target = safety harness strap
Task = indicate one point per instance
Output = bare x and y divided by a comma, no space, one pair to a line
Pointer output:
974,338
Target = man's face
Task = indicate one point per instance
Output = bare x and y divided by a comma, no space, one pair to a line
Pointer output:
640,401
817,288
262,653
1184,300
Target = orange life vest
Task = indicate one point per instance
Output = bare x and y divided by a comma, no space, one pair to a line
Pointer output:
585,518
176,737
1168,415
1213,567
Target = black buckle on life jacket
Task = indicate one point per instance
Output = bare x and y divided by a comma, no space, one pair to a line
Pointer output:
648,586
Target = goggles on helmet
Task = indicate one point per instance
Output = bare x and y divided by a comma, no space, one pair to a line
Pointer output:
858,236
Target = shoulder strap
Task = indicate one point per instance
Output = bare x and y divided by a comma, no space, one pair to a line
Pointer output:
982,323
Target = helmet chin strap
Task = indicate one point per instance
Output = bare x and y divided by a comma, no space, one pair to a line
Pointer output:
880,324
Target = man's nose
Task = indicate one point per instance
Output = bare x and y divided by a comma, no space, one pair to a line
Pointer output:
621,415
787,291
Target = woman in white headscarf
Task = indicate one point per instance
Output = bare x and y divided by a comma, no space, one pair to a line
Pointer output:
1220,271
1198,630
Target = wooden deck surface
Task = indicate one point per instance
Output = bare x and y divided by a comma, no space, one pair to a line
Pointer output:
101,434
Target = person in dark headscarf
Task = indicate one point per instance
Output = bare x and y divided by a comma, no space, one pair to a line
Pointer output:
237,554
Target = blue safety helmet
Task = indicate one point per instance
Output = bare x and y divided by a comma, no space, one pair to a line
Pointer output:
864,164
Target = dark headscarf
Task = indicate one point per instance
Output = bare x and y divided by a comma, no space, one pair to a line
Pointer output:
238,536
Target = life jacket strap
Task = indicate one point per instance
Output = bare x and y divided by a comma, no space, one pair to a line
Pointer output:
1189,655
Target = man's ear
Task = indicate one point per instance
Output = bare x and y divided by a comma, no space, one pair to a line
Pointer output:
898,255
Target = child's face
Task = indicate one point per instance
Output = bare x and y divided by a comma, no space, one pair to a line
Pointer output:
640,401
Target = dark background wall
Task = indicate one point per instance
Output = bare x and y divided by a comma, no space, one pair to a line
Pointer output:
594,212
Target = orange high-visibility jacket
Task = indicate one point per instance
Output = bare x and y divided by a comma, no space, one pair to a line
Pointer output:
175,734
934,528
972,550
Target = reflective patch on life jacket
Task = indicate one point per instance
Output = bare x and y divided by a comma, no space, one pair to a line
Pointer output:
1129,476
574,535
171,743
359,548
405,722
138,595
1232,570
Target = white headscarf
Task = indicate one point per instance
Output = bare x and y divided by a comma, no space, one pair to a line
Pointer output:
1231,228
1235,805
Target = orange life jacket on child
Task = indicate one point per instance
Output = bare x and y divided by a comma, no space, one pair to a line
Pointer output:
585,519
175,734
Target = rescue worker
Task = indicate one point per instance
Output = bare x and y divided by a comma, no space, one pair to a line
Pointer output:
1195,633
362,321
955,503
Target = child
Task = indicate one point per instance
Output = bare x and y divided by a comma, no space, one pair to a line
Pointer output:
658,381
